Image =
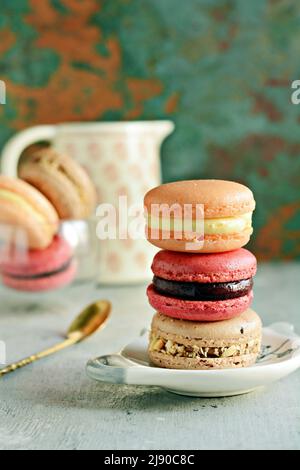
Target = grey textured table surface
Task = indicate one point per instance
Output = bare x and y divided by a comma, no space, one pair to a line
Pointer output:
53,405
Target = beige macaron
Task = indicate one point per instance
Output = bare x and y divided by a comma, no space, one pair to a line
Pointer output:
179,344
26,216
63,181
224,207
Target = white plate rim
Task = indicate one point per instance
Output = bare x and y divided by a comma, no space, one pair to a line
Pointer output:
281,329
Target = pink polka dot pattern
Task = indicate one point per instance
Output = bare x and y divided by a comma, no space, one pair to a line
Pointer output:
136,171
94,150
141,260
111,172
123,191
120,150
114,262
127,244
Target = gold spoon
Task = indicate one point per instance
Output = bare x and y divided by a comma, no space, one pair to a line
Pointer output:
90,320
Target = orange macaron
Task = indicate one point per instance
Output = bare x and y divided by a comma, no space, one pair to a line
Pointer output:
208,216
26,216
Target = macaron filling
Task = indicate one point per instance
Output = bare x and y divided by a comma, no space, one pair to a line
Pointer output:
203,291
175,349
218,226
44,275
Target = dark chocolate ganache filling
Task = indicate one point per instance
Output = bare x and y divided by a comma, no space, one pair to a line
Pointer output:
62,269
199,291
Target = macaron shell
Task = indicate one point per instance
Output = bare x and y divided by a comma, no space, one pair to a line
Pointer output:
42,284
34,197
211,244
23,228
33,224
57,188
215,267
31,263
202,311
63,181
243,328
220,198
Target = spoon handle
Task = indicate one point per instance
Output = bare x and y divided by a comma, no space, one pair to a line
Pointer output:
74,338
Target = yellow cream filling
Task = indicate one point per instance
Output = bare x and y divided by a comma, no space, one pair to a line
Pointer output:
17,199
221,226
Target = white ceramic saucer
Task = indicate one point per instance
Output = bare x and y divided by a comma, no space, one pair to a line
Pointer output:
280,357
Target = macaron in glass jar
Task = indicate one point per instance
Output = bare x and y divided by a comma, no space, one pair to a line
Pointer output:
47,235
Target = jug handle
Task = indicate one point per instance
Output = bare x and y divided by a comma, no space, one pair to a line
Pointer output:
14,148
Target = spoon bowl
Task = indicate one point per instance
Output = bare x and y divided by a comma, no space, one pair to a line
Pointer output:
91,319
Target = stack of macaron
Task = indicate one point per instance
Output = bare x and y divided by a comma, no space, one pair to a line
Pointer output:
203,278
52,187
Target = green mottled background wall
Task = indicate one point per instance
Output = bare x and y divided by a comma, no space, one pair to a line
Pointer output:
221,69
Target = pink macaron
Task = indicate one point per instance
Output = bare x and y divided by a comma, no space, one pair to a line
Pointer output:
38,270
203,287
